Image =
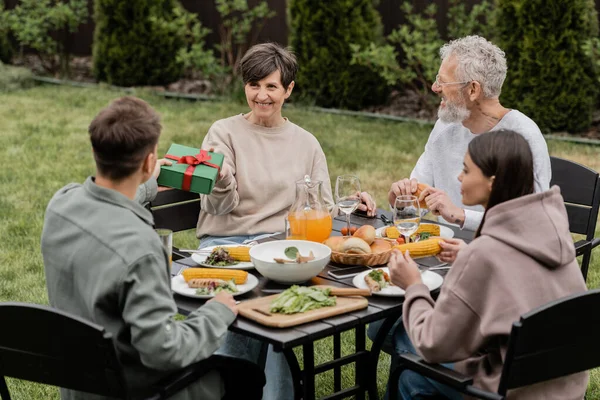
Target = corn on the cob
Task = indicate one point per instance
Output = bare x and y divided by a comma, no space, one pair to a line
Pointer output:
238,276
239,253
422,248
433,229
392,232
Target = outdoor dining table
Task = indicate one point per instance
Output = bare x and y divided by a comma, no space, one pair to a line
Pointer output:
285,339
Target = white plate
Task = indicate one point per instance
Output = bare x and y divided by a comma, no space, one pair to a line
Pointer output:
179,286
444,231
200,258
430,279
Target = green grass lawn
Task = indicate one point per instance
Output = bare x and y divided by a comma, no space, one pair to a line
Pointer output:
44,145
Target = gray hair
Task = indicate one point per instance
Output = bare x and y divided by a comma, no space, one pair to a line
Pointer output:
478,60
263,59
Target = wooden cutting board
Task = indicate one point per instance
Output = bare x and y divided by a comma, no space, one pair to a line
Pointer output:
343,305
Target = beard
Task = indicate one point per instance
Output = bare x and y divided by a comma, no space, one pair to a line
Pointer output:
454,111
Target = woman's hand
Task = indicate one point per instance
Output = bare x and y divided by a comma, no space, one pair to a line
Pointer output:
404,272
402,187
367,204
159,162
450,249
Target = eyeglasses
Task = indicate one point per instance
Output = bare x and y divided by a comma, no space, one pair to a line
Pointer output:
442,84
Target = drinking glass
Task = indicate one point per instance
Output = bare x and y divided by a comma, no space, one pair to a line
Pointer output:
347,195
295,228
407,215
166,238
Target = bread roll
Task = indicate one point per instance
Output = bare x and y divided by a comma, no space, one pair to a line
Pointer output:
366,233
380,246
335,243
354,245
420,188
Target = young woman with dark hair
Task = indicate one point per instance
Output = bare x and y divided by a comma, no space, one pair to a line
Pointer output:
521,258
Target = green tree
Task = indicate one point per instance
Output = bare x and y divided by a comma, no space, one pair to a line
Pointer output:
134,43
322,32
44,26
550,76
6,47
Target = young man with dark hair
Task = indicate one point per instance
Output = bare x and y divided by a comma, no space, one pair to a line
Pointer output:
105,263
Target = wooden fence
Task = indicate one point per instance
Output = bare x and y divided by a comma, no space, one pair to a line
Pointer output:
276,29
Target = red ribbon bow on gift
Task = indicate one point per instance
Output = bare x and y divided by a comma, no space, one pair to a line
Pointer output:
201,158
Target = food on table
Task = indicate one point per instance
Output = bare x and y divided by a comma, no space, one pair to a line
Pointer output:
420,188
380,246
298,299
422,248
400,240
293,256
365,232
335,243
238,276
377,279
345,231
208,286
432,229
391,232
356,245
220,257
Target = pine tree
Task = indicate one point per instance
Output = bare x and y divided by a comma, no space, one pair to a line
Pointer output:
550,78
322,32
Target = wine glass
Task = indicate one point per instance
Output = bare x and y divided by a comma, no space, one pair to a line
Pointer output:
407,215
347,195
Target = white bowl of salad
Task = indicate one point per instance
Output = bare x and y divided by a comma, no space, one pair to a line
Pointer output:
290,261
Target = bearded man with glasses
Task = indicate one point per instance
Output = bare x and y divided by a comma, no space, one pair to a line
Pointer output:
469,83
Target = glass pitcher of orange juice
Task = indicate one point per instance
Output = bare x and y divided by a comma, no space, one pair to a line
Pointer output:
309,215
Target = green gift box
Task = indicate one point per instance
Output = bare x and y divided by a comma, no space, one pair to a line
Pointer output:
193,170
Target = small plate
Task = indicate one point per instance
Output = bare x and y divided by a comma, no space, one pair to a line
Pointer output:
430,279
200,258
445,232
179,286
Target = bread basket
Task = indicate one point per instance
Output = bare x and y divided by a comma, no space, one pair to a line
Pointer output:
361,259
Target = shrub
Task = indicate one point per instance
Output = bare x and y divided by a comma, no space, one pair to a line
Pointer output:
550,76
44,25
135,42
419,40
321,35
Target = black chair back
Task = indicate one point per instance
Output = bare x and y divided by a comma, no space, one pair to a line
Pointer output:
176,210
580,187
562,334
42,344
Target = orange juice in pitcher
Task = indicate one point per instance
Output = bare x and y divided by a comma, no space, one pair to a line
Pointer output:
309,214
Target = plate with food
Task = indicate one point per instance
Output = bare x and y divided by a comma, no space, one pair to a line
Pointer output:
424,232
378,281
206,288
228,257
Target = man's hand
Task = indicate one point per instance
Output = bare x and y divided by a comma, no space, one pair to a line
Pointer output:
402,187
227,299
404,272
439,203
367,204
450,249
159,162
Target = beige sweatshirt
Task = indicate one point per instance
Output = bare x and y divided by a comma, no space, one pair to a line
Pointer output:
523,259
265,164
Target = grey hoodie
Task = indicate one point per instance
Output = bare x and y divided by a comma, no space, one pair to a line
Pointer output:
523,259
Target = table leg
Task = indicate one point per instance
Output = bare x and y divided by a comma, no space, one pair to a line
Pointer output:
337,354
374,355
4,389
359,365
296,373
262,355
308,374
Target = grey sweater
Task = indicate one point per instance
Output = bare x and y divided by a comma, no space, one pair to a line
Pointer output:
105,263
441,162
